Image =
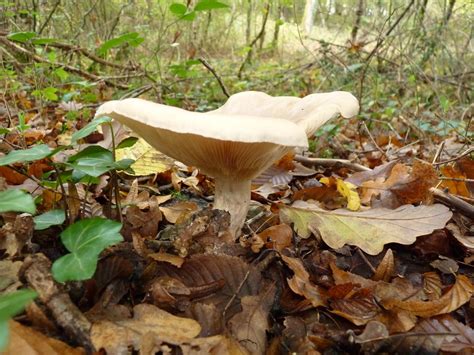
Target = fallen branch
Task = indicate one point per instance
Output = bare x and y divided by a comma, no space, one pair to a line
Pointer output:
331,162
452,201
66,67
36,270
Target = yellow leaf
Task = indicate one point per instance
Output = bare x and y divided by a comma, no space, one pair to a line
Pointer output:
147,159
347,190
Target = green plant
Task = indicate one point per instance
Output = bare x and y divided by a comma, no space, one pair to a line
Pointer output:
10,305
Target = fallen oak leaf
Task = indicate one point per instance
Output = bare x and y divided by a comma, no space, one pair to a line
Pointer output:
369,230
459,294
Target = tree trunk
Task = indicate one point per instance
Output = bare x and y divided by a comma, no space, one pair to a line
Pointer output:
359,13
308,17
248,30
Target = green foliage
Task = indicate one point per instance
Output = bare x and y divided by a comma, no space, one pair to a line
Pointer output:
95,161
205,5
48,93
85,240
21,36
37,152
48,219
16,201
127,143
89,128
184,13
132,38
12,304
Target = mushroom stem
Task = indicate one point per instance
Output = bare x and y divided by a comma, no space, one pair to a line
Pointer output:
233,196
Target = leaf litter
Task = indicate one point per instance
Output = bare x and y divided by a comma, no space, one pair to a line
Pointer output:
331,259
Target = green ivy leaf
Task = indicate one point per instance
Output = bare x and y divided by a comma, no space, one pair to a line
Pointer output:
16,201
85,240
48,219
89,128
95,161
205,5
127,142
26,155
10,305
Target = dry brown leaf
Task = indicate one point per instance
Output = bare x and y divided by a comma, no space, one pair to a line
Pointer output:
466,165
373,338
203,271
360,308
175,260
445,265
394,184
456,187
430,336
14,235
115,337
301,285
467,241
277,237
345,277
215,345
74,202
11,176
178,211
9,275
27,341
459,294
143,222
386,268
249,327
432,285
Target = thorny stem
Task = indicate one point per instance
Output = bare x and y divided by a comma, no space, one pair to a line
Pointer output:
233,195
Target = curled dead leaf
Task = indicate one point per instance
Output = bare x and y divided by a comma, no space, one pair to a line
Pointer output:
459,294
301,285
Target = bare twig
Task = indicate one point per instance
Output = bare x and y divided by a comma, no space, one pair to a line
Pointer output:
331,162
50,15
377,46
213,72
445,197
467,152
66,67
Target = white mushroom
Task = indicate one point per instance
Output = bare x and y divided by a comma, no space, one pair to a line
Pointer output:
309,112
235,143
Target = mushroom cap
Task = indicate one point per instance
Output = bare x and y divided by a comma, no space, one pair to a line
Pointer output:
309,112
220,144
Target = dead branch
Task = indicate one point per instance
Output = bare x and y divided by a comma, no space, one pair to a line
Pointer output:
218,78
68,68
452,201
377,46
330,163
50,15
36,270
